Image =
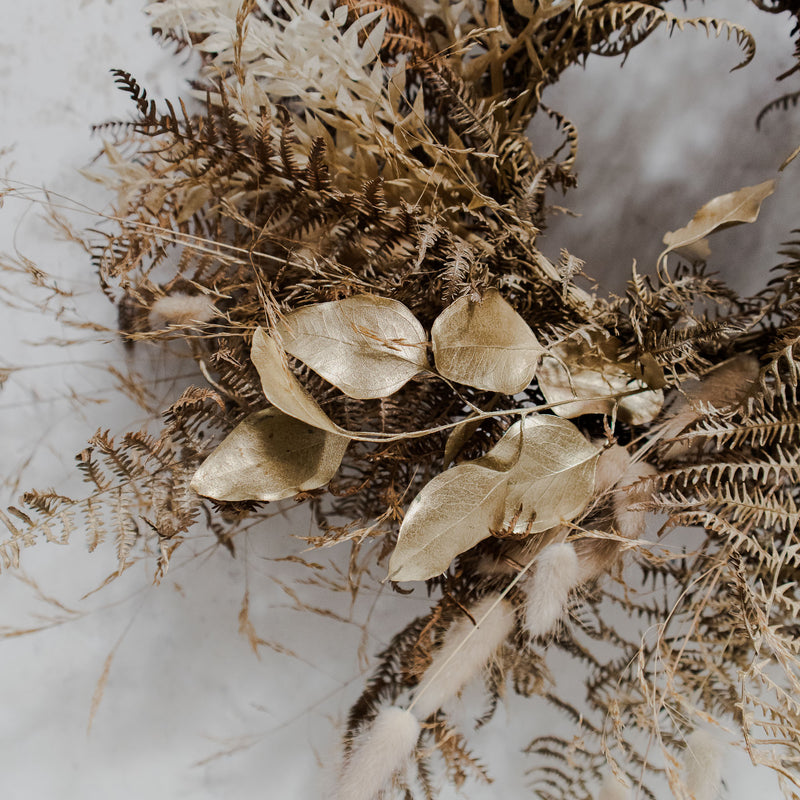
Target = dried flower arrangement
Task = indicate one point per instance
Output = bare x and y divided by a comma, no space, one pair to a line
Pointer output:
344,236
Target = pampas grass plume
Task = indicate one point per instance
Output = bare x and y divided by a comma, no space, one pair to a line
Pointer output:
702,764
451,671
557,572
378,754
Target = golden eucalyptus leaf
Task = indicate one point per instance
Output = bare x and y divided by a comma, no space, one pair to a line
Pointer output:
464,431
459,436
551,479
368,346
451,514
539,474
652,371
270,456
485,344
722,212
580,371
282,388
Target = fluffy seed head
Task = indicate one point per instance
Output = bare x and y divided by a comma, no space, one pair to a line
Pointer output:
465,651
182,309
596,556
611,466
378,754
556,573
702,765
612,789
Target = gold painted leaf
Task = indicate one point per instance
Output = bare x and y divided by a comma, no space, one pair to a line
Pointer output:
552,477
485,344
270,456
722,212
282,388
581,371
541,470
451,514
459,436
368,346
464,431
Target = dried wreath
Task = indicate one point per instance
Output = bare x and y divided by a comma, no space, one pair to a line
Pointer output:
345,237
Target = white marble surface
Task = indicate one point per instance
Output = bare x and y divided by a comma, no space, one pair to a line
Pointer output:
183,684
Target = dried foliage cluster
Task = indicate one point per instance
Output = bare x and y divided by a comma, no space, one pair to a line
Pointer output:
342,228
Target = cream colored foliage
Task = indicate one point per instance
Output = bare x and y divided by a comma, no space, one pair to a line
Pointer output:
332,84
307,56
308,61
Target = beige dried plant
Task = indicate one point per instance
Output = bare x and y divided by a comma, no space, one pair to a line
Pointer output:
340,224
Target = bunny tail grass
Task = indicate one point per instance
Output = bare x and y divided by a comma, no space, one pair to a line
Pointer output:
448,673
556,573
702,765
612,789
378,754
